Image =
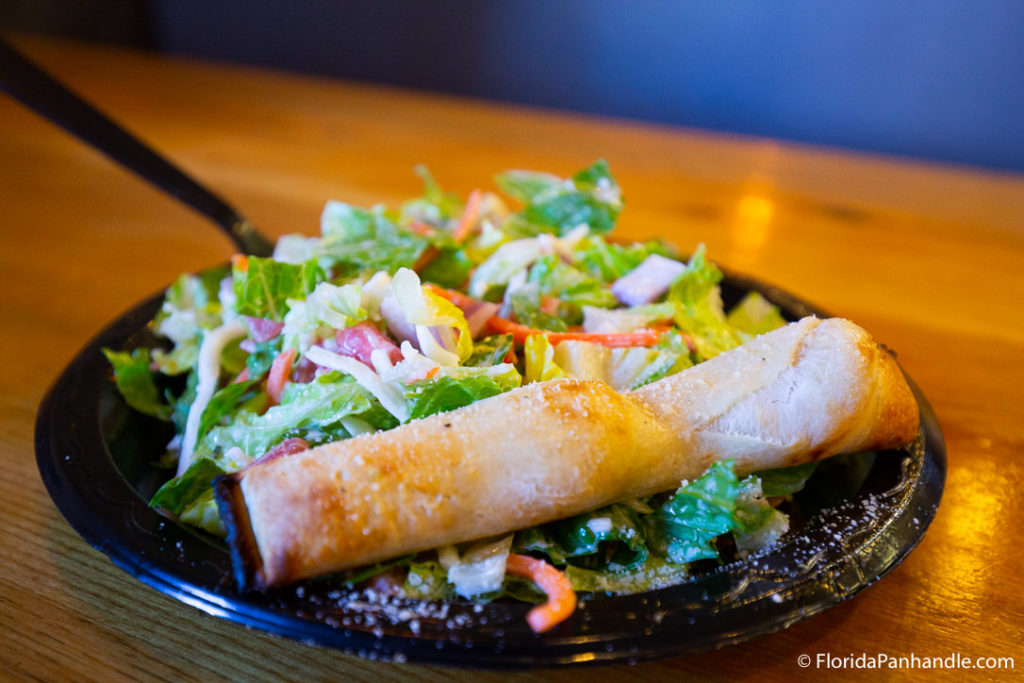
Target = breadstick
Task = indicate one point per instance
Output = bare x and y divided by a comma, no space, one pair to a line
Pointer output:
554,449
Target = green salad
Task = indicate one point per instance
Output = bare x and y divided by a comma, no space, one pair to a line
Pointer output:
394,314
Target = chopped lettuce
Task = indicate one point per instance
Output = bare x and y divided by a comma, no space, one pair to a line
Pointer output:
631,546
367,240
490,350
264,286
785,481
591,197
525,185
190,307
429,397
608,538
623,369
190,496
758,524
306,410
434,206
755,315
556,278
228,400
610,261
525,304
427,580
327,308
685,527
632,368
699,307
135,381
450,268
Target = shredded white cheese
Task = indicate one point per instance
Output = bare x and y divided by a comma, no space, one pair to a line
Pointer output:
389,395
208,370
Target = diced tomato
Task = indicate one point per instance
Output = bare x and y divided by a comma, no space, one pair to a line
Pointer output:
262,329
359,341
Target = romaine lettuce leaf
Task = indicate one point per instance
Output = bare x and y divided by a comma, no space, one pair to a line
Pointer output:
450,268
556,278
634,367
429,397
190,496
685,527
427,580
785,481
525,305
758,524
655,572
591,197
190,307
304,408
327,308
367,240
264,286
434,206
608,538
699,307
490,350
228,400
755,315
610,261
135,382
525,185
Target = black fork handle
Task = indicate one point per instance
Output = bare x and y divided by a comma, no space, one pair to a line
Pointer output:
37,90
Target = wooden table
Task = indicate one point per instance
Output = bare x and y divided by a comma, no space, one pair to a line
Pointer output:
930,259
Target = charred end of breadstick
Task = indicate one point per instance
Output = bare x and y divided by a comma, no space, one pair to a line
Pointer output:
245,556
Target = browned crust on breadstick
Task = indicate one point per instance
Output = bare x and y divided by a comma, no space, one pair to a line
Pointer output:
549,450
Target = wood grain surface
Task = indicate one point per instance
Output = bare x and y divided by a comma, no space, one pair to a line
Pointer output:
929,259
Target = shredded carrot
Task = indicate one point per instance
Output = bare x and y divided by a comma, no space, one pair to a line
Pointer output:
648,336
240,262
469,216
428,255
421,228
242,376
561,600
280,372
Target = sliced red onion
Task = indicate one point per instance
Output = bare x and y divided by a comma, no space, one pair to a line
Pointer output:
648,281
400,328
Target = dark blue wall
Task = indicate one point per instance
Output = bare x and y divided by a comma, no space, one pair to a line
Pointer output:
933,79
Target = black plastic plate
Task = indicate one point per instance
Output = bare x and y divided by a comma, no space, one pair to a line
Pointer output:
95,455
